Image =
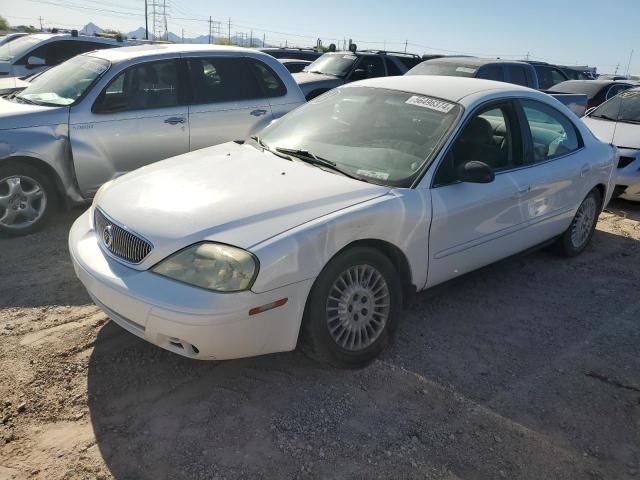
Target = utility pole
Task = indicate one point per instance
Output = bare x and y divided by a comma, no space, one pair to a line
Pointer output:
209,29
229,30
146,21
40,18
629,64
183,35
406,44
264,39
251,40
527,56
617,67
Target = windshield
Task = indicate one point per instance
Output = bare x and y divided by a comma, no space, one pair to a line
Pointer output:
18,47
448,69
376,135
64,84
625,107
336,64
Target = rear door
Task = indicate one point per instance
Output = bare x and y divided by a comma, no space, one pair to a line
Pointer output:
557,172
140,117
227,102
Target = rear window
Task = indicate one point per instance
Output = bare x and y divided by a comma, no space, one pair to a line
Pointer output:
517,75
268,80
448,69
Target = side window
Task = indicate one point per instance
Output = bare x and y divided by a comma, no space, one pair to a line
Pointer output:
492,72
552,133
392,68
545,79
220,79
372,65
517,75
557,76
268,81
41,52
488,137
142,87
64,50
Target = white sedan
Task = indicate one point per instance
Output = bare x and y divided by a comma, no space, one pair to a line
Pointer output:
617,121
319,229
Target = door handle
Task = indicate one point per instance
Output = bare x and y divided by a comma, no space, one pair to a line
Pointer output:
258,113
585,169
522,191
174,120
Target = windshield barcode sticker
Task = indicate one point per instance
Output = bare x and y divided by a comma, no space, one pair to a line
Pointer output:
431,103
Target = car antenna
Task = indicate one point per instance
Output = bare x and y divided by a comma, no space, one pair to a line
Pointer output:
615,126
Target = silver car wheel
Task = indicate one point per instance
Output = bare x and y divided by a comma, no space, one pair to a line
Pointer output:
583,222
358,307
23,202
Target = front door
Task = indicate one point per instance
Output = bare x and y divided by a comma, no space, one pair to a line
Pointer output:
227,103
138,119
476,224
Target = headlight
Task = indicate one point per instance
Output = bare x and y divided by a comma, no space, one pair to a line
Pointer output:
213,266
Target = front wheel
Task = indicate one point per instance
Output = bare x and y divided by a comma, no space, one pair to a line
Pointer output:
27,199
579,234
352,309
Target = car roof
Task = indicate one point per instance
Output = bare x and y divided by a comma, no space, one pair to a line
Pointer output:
68,36
453,89
474,61
588,87
140,51
293,60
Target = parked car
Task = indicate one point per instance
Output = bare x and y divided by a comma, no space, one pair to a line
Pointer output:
321,227
617,121
298,53
548,75
519,73
294,65
337,68
107,112
34,53
597,91
14,84
10,37
576,74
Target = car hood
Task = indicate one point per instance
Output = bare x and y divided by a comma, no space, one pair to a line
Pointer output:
627,135
23,115
229,193
11,84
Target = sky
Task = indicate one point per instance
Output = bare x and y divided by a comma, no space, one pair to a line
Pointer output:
569,32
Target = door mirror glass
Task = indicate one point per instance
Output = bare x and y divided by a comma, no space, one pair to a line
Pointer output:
475,172
359,74
34,61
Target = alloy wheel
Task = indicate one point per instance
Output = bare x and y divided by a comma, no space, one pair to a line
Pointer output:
22,202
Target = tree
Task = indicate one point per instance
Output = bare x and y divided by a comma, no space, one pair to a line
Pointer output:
4,25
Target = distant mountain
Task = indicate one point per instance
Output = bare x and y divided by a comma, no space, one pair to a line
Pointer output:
91,29
138,33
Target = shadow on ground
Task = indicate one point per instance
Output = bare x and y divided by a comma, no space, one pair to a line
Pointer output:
486,379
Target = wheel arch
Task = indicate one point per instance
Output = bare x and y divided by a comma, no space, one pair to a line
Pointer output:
397,258
43,167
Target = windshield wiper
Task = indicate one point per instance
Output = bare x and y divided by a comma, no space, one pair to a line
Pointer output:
308,157
22,99
604,117
266,147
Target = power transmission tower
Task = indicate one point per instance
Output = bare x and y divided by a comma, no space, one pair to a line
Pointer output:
159,28
229,30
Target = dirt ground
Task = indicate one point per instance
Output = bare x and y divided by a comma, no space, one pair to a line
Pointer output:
529,369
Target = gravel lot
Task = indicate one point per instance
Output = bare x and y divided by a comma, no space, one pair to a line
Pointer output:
529,368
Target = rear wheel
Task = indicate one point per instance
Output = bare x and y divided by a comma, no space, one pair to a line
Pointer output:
583,226
352,309
27,199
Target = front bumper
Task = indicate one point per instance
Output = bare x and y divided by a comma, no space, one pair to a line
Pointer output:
186,320
629,175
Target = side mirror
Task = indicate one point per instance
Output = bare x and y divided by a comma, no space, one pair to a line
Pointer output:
359,74
475,172
34,61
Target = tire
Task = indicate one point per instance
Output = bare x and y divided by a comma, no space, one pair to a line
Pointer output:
353,335
28,199
577,237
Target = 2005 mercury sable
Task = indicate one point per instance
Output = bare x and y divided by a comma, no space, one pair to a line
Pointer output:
320,227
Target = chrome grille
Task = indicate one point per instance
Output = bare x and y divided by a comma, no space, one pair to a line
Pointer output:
120,242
